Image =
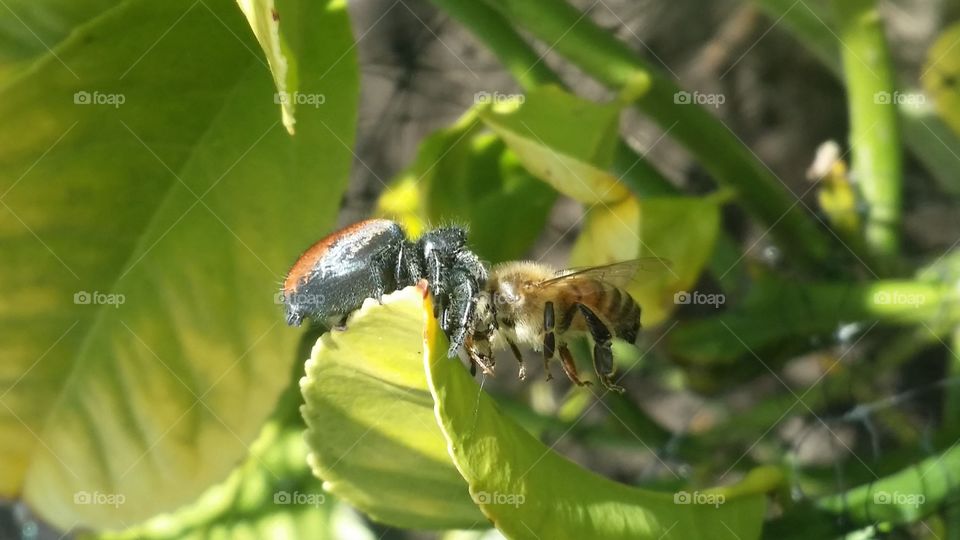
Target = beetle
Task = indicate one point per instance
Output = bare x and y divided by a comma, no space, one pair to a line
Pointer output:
370,258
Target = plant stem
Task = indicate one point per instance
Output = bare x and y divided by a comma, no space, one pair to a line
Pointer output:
597,52
951,405
929,139
874,134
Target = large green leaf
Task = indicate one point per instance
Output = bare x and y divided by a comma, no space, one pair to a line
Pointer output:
144,165
372,433
29,27
564,140
463,174
271,495
529,491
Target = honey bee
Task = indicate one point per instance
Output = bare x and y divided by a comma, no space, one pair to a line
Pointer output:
533,304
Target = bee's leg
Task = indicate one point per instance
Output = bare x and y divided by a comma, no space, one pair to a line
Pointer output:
519,357
549,340
602,353
486,362
569,367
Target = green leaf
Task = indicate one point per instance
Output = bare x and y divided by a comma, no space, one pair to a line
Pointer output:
564,140
680,230
272,494
941,75
529,491
28,27
371,430
463,174
150,203
264,19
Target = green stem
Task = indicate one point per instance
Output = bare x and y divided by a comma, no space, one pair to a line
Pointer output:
802,310
951,405
874,134
929,139
576,37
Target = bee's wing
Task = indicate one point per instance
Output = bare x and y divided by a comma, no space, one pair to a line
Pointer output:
618,273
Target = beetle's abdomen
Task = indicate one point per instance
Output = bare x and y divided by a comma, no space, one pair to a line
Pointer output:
336,274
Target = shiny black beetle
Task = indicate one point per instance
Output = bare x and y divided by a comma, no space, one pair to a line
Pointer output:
374,257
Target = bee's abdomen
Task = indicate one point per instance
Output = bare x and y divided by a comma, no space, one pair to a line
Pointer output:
622,312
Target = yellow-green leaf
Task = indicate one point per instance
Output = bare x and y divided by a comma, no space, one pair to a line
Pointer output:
151,203
941,76
264,19
564,140
681,230
528,491
371,431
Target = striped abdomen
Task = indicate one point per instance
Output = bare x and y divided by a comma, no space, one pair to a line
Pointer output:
612,304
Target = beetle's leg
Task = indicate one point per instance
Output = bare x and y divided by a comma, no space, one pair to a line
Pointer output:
462,304
383,273
569,367
602,352
549,341
519,357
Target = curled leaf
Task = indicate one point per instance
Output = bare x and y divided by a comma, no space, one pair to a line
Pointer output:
371,431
